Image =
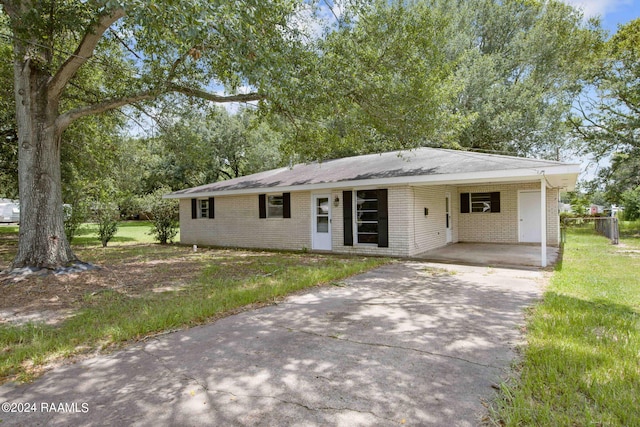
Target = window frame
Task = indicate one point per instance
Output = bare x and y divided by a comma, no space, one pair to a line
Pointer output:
203,209
270,206
474,202
265,204
479,201
357,222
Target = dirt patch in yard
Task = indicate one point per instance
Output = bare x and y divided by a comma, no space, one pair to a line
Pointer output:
51,298
628,250
130,270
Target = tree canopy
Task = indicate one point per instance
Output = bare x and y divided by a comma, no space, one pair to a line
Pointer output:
74,59
479,74
201,146
496,75
608,121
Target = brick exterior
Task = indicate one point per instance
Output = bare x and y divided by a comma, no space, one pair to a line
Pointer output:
553,217
502,227
429,232
399,203
237,224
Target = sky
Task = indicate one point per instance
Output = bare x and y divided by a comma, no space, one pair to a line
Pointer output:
612,12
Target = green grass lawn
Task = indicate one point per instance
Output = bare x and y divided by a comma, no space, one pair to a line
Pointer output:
629,228
208,284
581,366
128,232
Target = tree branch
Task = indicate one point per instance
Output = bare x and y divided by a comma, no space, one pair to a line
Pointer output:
224,172
69,117
197,93
83,52
124,44
9,9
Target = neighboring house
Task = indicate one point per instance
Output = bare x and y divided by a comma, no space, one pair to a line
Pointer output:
394,204
616,210
9,210
565,207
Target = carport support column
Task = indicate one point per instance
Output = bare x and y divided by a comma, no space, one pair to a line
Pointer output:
543,221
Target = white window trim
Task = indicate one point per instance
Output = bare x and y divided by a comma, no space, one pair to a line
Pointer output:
200,209
354,215
268,196
471,202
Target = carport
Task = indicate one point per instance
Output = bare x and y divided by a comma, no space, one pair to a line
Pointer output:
493,254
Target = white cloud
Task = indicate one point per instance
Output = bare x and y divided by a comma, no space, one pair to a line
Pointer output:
599,7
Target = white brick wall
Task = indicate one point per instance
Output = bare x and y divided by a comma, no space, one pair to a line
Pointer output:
399,206
236,222
429,232
553,217
502,227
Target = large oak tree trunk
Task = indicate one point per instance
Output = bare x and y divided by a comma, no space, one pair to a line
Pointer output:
43,242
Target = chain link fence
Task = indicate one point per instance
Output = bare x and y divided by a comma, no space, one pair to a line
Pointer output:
605,226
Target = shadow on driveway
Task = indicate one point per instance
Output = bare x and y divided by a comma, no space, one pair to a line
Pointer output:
408,344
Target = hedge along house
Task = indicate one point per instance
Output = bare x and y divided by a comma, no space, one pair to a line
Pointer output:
397,204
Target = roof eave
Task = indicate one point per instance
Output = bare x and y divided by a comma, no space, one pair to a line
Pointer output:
569,172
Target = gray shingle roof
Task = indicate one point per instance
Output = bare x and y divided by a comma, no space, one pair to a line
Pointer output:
420,162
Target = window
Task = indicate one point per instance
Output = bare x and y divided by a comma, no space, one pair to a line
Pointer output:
203,208
322,215
480,202
371,222
275,206
367,216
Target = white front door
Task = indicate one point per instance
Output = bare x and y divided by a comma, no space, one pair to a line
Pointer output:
321,233
529,215
447,207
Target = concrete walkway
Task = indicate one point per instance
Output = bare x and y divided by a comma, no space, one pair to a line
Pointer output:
493,254
406,344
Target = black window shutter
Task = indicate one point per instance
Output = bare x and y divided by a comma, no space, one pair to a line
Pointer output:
464,202
495,201
286,205
194,208
347,214
383,219
212,213
262,201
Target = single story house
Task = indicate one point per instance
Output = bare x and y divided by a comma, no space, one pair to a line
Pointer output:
393,204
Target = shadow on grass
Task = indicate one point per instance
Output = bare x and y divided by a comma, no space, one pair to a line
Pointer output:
128,224
93,240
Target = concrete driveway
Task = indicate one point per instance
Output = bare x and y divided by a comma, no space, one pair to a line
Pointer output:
407,344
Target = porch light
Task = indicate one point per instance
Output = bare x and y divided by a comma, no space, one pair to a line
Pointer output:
426,211
336,202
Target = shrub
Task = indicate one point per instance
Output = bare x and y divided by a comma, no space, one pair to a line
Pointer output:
165,218
74,216
107,217
131,207
631,202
